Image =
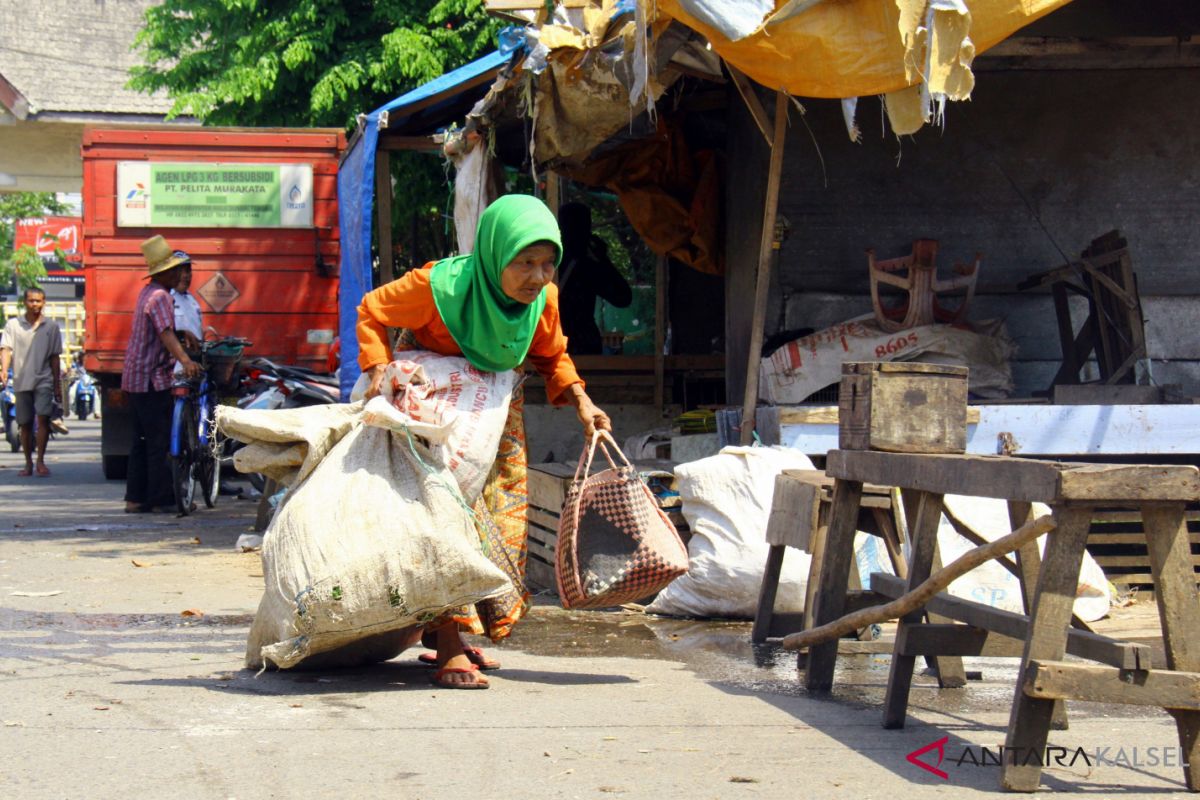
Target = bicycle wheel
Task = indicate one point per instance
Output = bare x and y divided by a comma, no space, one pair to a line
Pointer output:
208,470
183,465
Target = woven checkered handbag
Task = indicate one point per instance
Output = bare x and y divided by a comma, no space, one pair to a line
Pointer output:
614,543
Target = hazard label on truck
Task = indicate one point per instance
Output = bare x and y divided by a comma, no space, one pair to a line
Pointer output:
218,291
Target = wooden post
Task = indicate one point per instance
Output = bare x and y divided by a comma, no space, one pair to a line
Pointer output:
763,280
830,599
1165,527
1058,580
553,192
383,211
660,332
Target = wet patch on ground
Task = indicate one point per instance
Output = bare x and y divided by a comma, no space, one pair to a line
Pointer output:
717,651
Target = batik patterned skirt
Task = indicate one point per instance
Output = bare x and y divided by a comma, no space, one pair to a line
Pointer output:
501,519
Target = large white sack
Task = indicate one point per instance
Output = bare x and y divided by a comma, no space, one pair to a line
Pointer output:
459,410
726,501
375,535
990,583
370,543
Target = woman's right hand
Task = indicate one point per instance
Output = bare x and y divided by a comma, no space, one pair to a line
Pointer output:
376,373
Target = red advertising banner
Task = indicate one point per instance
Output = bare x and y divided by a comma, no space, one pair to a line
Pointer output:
45,234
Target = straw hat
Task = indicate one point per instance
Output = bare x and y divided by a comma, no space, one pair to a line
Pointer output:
160,257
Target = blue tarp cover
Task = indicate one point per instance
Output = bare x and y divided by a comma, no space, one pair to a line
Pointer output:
356,196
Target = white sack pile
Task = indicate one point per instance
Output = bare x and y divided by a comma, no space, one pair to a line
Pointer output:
726,501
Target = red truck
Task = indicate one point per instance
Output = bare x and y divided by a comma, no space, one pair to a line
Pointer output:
257,211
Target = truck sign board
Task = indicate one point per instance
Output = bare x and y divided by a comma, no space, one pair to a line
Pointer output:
213,194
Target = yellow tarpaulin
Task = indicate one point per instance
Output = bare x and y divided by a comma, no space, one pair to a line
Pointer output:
850,48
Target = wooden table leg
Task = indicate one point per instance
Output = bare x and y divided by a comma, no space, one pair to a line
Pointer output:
1029,722
1179,609
766,594
923,536
1029,564
950,671
830,600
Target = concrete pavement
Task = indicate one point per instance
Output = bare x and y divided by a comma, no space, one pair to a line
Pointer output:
107,691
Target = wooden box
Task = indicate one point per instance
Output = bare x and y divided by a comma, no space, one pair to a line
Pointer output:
903,407
548,485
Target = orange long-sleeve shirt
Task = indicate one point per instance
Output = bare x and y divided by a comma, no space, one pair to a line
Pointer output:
408,303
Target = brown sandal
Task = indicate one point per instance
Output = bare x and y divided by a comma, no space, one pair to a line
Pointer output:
478,683
477,657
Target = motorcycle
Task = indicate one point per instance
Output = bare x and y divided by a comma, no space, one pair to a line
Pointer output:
8,410
83,393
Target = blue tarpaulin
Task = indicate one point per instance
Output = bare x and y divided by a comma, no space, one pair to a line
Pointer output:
356,196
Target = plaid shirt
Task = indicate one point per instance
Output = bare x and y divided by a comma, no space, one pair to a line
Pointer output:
148,364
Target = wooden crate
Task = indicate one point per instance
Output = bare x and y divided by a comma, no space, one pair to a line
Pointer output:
1117,543
548,485
903,407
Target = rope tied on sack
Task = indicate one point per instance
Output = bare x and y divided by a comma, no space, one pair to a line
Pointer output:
439,477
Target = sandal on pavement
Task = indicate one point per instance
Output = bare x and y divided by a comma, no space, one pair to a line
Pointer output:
43,471
478,682
475,655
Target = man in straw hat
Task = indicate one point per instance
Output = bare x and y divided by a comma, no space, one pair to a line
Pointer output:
149,359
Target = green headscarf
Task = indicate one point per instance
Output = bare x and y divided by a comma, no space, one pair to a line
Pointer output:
493,330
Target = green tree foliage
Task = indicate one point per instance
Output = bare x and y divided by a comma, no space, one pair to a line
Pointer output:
23,263
301,63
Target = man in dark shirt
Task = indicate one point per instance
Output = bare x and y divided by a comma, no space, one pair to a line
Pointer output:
149,360
585,274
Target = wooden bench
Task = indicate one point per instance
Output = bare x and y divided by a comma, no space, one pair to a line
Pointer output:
1074,492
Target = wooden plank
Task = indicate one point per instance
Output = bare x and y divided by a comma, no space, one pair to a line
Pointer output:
953,639
1066,334
923,536
1068,681
419,144
547,536
1178,602
1029,723
1084,644
1018,479
539,576
1104,517
540,517
383,215
1029,565
540,550
1105,539
794,507
830,597
980,476
765,612
746,89
1117,482
1135,561
767,247
660,331
828,415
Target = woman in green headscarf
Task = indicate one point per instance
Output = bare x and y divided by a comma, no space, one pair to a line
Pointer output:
498,308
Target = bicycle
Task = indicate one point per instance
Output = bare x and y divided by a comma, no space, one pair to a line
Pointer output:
194,447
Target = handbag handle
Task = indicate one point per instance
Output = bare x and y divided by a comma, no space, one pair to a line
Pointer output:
604,439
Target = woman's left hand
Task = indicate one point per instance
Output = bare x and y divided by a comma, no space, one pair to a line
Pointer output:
592,418
590,415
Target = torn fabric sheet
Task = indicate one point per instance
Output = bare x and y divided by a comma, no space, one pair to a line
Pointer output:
735,19
475,188
849,107
847,48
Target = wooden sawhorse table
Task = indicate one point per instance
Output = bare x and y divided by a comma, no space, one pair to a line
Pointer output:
1073,491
